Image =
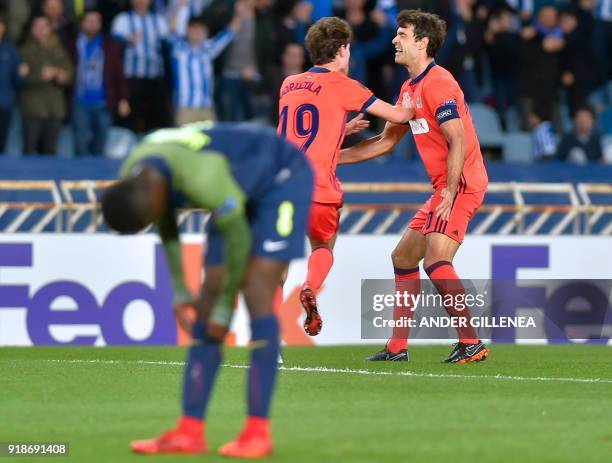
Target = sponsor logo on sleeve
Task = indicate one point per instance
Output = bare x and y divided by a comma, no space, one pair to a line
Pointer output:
443,114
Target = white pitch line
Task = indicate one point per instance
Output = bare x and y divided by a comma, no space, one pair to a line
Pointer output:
348,371
435,375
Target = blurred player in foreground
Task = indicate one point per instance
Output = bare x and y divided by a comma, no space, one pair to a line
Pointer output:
313,108
446,139
259,190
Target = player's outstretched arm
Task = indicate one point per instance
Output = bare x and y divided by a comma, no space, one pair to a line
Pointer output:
375,146
397,114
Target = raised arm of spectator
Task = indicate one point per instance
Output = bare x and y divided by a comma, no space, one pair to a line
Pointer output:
178,5
220,41
302,18
381,41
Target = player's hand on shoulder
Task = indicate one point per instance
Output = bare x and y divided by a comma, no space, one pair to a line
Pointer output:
244,9
408,112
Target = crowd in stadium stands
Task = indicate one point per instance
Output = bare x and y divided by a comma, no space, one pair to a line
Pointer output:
540,67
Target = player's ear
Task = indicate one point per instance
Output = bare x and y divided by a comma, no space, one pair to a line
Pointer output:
423,43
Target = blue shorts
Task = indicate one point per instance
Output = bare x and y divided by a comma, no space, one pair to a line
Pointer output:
278,219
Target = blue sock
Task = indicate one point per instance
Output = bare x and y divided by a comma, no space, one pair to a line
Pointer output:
264,358
202,364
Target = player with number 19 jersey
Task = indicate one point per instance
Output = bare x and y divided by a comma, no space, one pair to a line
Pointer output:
313,109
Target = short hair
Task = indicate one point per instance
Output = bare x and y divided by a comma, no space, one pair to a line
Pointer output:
571,10
196,21
37,17
586,108
542,112
426,25
125,204
91,11
499,11
325,37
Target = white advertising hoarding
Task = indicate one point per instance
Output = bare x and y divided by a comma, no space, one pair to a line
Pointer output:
109,290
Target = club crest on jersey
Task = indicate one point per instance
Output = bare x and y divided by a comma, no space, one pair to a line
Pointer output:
419,103
419,126
406,100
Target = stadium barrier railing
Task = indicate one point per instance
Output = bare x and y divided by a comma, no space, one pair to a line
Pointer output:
509,208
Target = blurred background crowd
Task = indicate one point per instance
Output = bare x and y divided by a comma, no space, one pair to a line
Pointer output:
84,76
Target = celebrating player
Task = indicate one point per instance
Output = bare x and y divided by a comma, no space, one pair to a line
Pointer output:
447,142
259,190
313,109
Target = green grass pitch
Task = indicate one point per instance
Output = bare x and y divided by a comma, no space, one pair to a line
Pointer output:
524,404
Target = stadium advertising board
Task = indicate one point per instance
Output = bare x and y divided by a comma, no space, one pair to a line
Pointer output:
108,290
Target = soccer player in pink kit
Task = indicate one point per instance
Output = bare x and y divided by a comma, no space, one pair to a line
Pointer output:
447,142
313,108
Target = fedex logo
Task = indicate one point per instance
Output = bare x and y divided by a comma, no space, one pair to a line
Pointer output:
576,303
108,314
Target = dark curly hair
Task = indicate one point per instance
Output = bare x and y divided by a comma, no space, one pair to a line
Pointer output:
425,25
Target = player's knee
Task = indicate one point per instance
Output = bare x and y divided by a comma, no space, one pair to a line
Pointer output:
258,297
404,257
317,243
